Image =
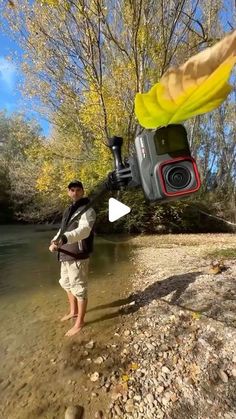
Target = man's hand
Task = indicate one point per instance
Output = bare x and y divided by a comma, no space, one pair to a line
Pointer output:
53,247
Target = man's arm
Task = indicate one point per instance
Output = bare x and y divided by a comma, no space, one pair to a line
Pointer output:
83,230
53,244
55,237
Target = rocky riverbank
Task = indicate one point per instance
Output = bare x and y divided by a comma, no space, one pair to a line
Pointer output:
179,350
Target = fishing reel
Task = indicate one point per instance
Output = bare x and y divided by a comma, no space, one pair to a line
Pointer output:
161,165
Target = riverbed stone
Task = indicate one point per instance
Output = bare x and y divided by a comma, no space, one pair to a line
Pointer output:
99,414
90,345
129,406
74,412
94,377
223,375
150,398
99,360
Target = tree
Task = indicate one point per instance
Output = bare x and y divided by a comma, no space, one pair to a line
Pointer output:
18,169
84,62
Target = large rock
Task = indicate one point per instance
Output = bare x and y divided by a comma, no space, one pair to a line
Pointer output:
74,412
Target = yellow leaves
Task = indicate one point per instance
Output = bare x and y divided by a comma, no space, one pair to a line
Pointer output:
198,86
45,180
51,2
53,180
34,151
133,366
196,315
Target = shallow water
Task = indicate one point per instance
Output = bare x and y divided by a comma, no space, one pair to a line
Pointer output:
37,361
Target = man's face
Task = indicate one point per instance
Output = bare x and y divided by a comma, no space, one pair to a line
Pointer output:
75,193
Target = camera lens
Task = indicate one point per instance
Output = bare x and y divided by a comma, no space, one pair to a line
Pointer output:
178,177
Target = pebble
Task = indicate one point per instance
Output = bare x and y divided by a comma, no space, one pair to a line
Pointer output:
160,389
150,346
98,360
131,394
159,414
127,332
90,345
116,396
233,372
74,412
99,414
129,406
223,376
94,377
118,410
229,415
165,370
150,398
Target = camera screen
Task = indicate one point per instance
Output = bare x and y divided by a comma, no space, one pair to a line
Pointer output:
171,139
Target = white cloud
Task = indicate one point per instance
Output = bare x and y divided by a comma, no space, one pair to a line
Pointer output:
7,73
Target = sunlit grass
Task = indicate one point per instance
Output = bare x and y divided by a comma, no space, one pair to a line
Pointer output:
228,253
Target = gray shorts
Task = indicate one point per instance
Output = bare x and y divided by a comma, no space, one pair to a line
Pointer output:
74,277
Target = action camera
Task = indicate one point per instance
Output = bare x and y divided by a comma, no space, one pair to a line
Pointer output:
161,164
166,167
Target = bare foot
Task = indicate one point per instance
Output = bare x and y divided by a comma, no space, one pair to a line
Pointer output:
75,329
68,317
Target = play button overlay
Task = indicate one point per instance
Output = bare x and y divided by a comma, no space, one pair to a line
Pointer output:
117,210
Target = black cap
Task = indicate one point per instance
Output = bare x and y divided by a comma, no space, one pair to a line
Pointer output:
75,184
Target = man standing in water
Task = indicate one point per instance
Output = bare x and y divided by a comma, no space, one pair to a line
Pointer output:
77,241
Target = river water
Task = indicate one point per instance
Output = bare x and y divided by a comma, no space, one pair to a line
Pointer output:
38,364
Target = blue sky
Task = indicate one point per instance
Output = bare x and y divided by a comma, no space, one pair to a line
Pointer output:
10,76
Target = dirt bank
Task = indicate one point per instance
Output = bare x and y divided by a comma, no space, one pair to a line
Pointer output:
181,347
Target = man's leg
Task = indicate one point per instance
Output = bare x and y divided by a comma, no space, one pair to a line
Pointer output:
82,305
65,284
79,272
73,307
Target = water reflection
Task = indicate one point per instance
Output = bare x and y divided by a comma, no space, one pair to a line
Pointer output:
26,263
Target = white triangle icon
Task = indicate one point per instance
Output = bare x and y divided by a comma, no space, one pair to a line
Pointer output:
117,209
